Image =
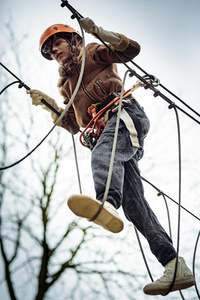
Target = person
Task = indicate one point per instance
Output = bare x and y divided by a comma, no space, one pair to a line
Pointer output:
100,80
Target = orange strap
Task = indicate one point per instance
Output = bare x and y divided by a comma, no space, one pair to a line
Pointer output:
96,117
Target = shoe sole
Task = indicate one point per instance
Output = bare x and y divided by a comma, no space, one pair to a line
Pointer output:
86,207
177,286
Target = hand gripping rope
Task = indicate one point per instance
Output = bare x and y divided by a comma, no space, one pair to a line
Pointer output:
61,116
22,84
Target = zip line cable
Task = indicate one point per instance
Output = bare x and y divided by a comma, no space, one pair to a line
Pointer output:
194,257
166,89
162,193
29,153
17,81
168,216
22,84
179,203
76,160
143,254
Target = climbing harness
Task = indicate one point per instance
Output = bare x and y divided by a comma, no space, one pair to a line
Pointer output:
90,135
93,133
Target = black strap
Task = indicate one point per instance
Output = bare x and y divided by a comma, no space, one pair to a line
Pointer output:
108,99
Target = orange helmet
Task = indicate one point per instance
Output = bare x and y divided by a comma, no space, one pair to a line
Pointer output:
50,31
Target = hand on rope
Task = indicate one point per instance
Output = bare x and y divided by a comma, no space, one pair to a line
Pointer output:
37,97
64,111
107,36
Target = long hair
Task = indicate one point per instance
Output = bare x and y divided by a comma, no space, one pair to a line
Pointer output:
68,68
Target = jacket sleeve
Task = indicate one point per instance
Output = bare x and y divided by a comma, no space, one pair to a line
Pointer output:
123,44
126,49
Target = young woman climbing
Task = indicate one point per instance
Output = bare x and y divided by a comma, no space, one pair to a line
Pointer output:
100,85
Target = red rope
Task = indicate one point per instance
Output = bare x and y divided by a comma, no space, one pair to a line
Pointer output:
96,116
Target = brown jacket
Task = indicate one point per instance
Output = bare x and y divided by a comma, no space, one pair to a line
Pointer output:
100,77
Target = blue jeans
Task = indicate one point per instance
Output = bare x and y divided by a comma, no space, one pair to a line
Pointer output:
126,187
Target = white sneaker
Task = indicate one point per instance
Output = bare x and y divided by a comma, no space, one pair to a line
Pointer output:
184,279
86,207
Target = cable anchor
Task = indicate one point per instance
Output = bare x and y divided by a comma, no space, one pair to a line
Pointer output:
153,80
172,105
22,84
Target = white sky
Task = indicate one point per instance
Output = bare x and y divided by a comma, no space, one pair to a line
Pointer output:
168,32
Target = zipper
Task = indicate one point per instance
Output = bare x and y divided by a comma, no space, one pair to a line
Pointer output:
102,87
85,90
87,93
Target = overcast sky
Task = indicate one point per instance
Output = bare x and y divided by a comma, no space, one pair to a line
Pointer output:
169,35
